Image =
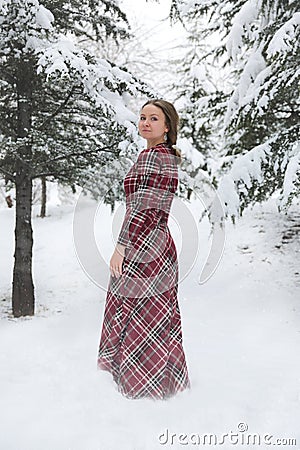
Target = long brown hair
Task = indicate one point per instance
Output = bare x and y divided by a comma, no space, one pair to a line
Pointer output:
172,121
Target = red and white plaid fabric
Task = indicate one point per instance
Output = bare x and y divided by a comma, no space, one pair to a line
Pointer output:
141,340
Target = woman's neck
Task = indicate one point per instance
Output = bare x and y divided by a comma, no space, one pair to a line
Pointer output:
151,143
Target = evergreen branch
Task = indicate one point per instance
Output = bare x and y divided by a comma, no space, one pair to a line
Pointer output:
81,154
58,110
105,149
82,33
78,124
53,173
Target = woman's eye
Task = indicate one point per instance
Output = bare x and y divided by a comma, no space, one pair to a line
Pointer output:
152,118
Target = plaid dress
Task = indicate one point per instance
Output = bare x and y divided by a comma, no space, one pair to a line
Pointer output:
141,339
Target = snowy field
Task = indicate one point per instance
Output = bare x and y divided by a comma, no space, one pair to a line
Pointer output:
241,337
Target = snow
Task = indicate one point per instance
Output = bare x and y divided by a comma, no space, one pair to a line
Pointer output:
60,57
249,86
241,334
283,38
44,18
123,115
189,5
227,192
254,66
240,25
63,58
244,169
262,70
190,153
241,327
291,176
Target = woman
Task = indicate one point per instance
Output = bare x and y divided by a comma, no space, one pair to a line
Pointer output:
141,340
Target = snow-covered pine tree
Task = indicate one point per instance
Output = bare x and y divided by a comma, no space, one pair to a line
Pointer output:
62,109
259,43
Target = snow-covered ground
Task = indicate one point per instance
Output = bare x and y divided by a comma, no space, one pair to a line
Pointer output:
241,337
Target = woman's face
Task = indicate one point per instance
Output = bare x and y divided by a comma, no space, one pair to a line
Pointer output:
152,125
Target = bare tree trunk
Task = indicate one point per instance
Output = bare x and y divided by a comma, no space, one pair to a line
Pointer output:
44,197
23,289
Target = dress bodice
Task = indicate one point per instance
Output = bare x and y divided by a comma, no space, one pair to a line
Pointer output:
149,186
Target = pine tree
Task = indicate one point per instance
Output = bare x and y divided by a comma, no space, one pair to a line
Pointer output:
62,109
259,45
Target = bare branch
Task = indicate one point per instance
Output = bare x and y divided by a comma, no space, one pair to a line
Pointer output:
59,109
69,155
7,174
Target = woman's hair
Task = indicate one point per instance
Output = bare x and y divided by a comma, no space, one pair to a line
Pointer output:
172,121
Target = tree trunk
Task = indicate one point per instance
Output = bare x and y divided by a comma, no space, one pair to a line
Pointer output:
23,289
44,197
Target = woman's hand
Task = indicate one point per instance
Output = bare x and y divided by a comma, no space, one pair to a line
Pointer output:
116,261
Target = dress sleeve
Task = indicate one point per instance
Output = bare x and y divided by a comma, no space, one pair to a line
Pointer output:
150,197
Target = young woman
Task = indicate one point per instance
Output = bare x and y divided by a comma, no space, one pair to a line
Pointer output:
141,340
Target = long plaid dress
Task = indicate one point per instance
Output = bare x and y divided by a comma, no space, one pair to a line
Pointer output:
141,339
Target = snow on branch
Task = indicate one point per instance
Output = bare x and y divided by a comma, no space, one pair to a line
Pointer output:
284,38
26,21
240,177
60,58
291,181
187,6
241,24
44,18
249,86
63,58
